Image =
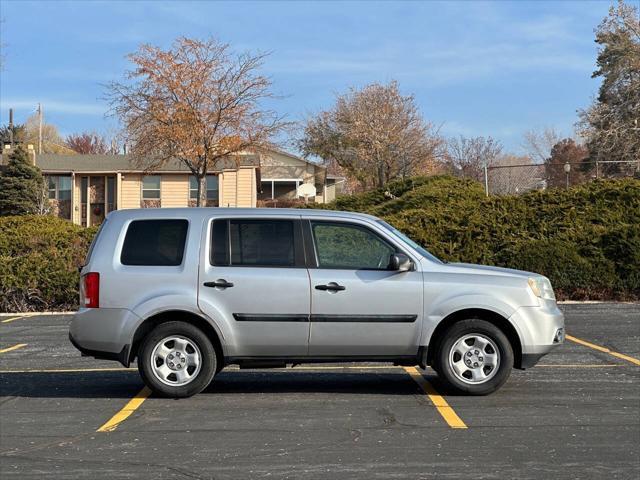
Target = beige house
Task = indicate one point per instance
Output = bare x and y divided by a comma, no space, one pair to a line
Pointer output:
84,188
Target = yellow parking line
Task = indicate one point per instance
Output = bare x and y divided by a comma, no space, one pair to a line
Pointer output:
13,319
71,370
579,365
131,406
633,360
15,347
438,401
348,367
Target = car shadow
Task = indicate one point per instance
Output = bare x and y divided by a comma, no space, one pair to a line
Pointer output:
124,384
121,384
292,381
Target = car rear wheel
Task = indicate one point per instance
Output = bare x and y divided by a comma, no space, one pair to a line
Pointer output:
177,360
474,357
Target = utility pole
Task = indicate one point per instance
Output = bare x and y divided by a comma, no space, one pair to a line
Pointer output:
39,129
486,180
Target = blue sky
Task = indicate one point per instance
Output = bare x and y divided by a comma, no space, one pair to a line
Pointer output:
475,68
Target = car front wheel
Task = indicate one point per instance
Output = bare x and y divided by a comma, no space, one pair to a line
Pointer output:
177,360
474,357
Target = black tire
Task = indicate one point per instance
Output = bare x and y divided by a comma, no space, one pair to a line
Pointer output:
443,362
207,364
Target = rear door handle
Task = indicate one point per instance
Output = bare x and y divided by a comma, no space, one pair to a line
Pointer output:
220,283
331,287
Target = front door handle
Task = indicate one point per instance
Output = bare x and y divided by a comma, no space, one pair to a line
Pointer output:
331,287
220,283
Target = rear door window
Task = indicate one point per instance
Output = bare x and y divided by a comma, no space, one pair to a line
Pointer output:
154,243
255,243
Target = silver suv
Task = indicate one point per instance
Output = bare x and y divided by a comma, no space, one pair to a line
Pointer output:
189,291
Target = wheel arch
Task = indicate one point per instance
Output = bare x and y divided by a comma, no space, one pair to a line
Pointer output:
483,314
156,319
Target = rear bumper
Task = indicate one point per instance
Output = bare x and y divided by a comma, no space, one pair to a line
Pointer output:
541,329
104,333
122,356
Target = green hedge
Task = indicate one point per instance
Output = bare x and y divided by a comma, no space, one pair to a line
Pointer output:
585,239
39,260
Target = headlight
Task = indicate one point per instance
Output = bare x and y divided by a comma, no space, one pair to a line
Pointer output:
541,287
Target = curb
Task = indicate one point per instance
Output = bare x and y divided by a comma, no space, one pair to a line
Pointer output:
595,302
31,314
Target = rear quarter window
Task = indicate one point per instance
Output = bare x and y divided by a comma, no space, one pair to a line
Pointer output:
94,241
154,243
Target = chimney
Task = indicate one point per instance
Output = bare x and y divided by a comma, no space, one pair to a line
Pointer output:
11,127
32,154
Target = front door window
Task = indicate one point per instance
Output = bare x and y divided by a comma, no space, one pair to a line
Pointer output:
344,246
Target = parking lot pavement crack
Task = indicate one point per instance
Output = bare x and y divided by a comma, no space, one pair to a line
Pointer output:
44,446
146,465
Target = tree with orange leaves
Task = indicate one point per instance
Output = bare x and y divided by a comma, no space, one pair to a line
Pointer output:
196,102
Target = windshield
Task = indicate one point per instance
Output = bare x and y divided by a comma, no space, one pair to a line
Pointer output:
420,249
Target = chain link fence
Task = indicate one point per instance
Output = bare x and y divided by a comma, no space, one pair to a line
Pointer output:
516,179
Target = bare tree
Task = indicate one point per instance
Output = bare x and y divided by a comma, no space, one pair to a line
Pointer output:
537,144
196,102
374,134
468,156
43,206
87,143
52,141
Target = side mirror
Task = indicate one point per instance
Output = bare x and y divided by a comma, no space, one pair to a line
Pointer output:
400,262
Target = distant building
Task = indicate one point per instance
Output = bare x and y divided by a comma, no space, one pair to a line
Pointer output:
84,188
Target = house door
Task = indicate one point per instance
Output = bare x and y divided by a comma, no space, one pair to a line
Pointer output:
97,198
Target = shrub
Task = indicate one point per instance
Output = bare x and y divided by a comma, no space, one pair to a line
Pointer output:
39,260
585,239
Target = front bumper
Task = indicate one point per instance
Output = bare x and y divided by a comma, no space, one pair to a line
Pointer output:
541,329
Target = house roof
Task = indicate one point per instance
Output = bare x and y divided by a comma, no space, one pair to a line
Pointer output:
79,163
120,163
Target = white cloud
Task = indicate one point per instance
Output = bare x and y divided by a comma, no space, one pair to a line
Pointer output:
55,106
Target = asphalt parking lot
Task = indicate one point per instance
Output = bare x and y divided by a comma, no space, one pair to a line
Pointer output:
577,415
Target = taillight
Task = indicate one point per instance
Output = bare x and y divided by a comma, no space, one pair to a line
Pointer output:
91,290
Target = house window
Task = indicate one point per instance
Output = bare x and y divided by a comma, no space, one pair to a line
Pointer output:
59,187
212,187
279,189
53,188
151,187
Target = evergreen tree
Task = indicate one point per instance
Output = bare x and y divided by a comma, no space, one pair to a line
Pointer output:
611,126
21,185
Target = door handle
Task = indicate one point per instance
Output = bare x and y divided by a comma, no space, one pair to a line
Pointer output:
331,287
220,283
